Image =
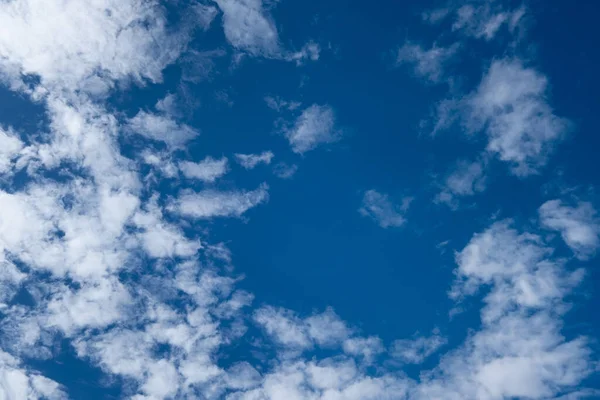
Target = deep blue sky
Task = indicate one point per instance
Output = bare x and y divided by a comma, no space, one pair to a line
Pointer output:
308,248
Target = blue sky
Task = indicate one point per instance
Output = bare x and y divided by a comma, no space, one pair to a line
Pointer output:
273,199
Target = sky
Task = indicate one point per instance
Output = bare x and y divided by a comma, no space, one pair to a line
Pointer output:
278,199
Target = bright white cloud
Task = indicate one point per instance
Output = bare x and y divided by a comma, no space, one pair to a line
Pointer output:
212,203
249,161
382,210
579,226
248,27
428,64
314,127
86,44
162,128
207,170
510,106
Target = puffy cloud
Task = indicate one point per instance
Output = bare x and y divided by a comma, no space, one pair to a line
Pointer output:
248,27
315,126
415,351
579,226
249,161
510,106
162,128
427,64
380,209
17,382
86,45
207,170
10,147
211,203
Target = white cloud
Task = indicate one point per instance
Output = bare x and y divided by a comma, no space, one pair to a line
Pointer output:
17,382
278,104
579,226
284,171
427,64
90,43
510,106
315,126
211,203
466,179
382,210
162,128
249,161
10,147
485,21
207,170
248,27
415,351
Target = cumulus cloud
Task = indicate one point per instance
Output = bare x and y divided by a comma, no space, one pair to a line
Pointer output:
579,226
428,64
86,44
382,210
510,106
248,27
314,127
249,161
212,203
415,351
162,128
207,170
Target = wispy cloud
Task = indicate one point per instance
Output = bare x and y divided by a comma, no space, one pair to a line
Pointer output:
212,203
207,170
315,126
428,64
579,225
162,128
382,210
249,161
467,179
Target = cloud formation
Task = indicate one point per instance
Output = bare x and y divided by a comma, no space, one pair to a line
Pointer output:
382,210
315,126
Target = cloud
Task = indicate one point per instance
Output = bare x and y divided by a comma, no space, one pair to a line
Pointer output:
510,106
162,128
248,27
207,170
427,64
88,44
10,147
485,21
249,161
278,104
314,127
19,383
415,351
466,179
380,209
211,203
579,226
284,171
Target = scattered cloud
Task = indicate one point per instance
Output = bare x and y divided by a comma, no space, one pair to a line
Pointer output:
382,210
579,226
212,203
285,171
249,161
428,64
314,127
467,179
278,104
207,170
162,128
415,351
484,21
